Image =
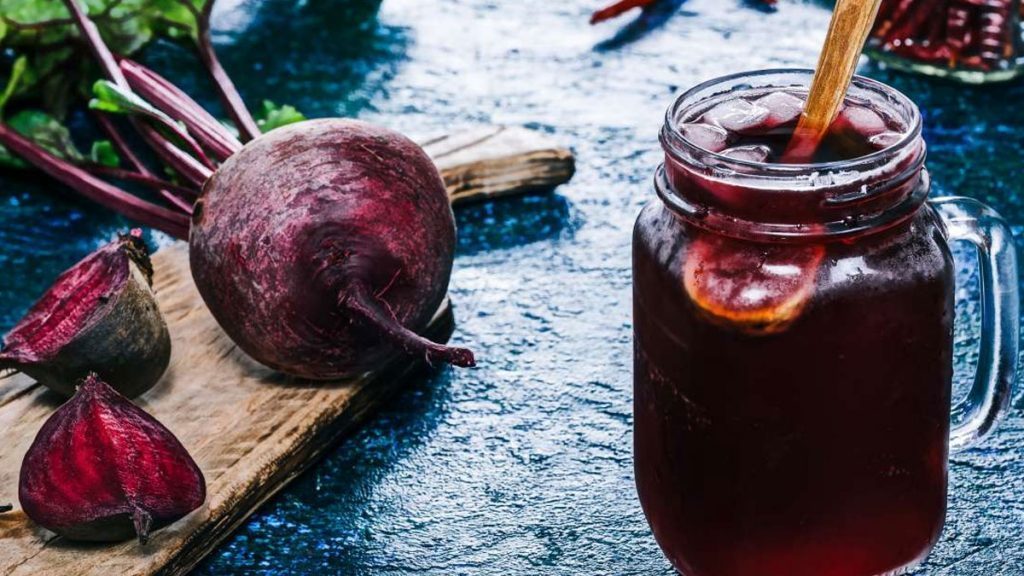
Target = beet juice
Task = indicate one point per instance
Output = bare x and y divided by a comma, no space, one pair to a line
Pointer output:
793,337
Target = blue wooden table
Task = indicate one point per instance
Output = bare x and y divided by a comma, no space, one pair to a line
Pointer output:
523,465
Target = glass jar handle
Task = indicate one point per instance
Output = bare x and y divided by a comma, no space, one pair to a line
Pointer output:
989,399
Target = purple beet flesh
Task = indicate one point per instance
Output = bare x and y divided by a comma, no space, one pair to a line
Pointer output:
101,469
99,316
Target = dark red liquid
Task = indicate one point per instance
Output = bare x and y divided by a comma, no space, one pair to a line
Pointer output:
817,451
811,447
760,126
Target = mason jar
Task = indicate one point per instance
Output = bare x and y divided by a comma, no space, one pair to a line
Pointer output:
794,349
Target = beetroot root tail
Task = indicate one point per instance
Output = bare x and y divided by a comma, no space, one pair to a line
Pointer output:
142,522
370,310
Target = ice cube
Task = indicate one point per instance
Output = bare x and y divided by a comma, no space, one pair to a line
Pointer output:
860,120
783,108
738,115
751,153
884,140
709,137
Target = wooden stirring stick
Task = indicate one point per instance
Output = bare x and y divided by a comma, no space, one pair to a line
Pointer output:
849,29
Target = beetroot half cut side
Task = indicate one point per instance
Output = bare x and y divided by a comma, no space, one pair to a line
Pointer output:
99,316
103,470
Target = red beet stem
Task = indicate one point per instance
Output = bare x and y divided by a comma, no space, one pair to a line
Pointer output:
121,144
360,300
96,44
172,222
183,195
173,193
229,96
609,12
182,162
142,522
190,142
913,20
187,166
623,6
169,99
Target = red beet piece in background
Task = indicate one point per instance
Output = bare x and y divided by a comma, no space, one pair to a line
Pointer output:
101,469
324,246
623,6
99,316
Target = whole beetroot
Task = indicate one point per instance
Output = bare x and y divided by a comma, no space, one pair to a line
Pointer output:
324,245
320,247
101,469
100,315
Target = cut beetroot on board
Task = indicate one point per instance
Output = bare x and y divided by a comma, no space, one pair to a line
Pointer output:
101,469
99,316
980,35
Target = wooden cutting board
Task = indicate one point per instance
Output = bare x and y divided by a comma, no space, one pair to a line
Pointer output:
250,430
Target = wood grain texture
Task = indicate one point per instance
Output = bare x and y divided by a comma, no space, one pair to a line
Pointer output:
494,161
847,32
251,430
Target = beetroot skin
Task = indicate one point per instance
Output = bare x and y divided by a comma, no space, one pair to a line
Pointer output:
100,316
323,246
101,469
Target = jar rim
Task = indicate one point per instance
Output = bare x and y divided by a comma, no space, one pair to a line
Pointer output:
677,145
787,202
829,230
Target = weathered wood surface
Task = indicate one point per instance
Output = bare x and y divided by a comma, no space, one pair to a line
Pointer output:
250,430
497,161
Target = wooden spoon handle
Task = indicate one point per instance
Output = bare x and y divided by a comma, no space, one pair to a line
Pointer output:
849,29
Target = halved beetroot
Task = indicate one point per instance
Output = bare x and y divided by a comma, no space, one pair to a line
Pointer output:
99,316
103,470
755,288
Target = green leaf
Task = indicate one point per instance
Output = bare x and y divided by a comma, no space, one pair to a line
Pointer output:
104,154
17,71
46,131
8,160
273,116
58,70
176,20
109,97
